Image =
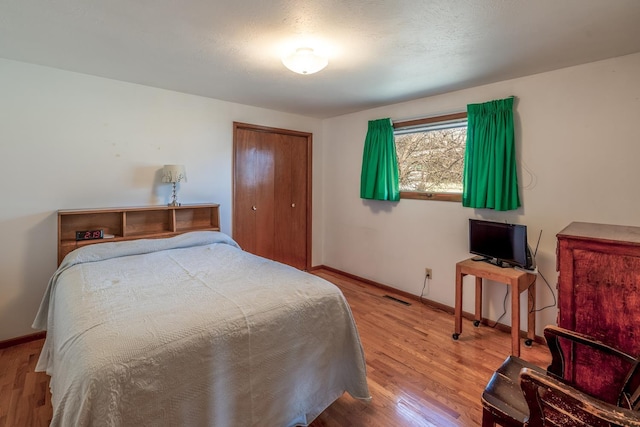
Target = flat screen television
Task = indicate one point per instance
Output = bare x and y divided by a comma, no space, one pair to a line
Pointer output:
500,243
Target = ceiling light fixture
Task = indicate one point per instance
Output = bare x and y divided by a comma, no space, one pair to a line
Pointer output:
305,61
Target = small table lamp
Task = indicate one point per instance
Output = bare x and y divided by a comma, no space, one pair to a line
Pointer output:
174,174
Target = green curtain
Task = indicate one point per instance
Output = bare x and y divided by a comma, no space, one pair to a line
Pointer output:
379,177
489,177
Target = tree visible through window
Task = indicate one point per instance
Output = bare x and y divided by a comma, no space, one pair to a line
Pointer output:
430,157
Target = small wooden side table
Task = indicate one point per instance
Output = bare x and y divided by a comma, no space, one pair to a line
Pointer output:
519,281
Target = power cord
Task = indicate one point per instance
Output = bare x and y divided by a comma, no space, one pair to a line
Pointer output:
504,302
504,308
531,310
424,285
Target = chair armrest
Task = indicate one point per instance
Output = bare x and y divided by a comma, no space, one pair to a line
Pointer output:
629,391
552,335
548,398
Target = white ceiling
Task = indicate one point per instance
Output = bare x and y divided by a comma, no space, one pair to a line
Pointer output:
380,51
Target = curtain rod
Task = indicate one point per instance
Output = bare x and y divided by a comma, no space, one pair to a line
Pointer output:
434,119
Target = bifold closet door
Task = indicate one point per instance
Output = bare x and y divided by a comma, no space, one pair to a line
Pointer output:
254,193
290,200
271,193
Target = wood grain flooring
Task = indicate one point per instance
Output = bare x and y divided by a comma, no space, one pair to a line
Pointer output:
25,400
417,375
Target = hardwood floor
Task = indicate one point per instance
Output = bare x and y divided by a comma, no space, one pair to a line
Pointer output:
25,400
417,374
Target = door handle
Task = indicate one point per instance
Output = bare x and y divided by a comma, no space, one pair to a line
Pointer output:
253,208
293,205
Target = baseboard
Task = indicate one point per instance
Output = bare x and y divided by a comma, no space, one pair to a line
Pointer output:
433,304
23,339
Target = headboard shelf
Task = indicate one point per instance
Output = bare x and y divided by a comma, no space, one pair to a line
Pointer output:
133,223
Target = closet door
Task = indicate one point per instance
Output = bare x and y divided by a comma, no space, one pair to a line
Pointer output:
254,193
291,200
272,193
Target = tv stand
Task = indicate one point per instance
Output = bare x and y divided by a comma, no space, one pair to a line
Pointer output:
520,281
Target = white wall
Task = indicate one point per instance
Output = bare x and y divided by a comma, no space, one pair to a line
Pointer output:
578,149
70,140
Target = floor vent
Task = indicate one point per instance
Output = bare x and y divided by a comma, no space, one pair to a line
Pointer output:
397,300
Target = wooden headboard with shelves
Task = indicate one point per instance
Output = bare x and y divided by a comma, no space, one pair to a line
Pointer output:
133,223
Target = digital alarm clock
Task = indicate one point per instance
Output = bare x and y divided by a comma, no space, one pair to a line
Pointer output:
90,234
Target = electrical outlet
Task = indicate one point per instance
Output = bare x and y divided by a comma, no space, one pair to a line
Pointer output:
428,273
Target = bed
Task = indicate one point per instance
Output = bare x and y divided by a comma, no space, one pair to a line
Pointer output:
193,331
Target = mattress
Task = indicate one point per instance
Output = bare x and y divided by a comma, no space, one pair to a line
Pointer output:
193,331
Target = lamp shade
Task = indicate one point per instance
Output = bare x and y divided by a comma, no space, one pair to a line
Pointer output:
305,61
174,173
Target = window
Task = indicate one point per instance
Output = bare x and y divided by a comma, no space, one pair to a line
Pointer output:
430,157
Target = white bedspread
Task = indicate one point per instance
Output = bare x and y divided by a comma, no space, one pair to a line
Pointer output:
192,331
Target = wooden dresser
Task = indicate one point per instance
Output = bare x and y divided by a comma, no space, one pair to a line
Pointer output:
599,294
